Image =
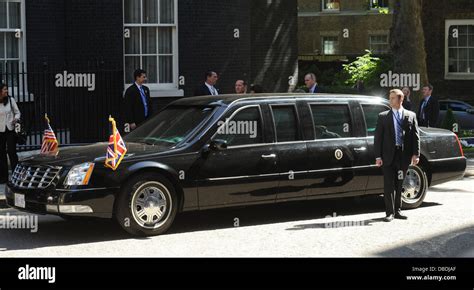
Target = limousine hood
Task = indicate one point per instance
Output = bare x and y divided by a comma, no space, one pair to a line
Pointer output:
435,132
71,156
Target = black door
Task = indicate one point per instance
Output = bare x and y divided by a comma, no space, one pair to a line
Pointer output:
246,172
338,157
371,113
291,150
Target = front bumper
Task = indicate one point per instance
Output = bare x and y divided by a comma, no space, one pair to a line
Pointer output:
91,202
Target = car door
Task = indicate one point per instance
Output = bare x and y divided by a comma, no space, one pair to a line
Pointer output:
337,155
291,150
371,113
246,172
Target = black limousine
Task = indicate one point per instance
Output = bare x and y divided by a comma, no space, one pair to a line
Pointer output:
221,151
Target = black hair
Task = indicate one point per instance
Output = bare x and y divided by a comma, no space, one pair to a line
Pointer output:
257,89
209,74
430,86
138,73
5,100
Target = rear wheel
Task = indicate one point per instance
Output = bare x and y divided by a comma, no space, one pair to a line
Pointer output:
415,187
147,205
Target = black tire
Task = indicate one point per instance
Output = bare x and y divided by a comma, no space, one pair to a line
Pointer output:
411,198
134,190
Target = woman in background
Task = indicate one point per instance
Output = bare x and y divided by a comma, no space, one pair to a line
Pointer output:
9,116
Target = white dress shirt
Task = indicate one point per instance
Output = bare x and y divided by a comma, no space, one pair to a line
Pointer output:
212,89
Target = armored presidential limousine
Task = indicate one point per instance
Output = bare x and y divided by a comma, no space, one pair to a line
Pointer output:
302,147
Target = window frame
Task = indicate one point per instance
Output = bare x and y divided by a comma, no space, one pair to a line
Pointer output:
455,75
386,43
372,8
324,9
351,118
323,46
231,117
22,55
167,87
299,128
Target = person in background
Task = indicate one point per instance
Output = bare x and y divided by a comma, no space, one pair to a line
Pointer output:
240,87
9,116
137,101
256,89
396,147
310,81
428,113
407,102
208,88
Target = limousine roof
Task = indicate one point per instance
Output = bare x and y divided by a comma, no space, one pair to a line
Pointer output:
223,100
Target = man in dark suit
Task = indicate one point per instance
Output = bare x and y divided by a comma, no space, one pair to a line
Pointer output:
397,145
311,83
208,88
407,102
428,112
137,101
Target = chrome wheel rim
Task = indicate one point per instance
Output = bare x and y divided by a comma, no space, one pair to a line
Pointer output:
412,186
150,205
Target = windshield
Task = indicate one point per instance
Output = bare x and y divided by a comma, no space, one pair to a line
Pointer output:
171,126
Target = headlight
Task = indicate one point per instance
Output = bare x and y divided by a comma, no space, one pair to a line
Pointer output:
79,174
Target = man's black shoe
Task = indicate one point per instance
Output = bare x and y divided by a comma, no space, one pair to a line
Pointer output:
388,218
399,216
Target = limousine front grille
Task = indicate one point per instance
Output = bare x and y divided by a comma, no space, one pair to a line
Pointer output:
35,177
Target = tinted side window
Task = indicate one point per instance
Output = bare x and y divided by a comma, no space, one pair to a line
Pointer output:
332,121
457,107
286,123
245,128
371,113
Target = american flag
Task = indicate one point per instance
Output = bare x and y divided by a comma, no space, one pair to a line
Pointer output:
50,145
116,150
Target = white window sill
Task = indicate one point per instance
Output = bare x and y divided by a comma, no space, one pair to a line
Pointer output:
154,93
461,77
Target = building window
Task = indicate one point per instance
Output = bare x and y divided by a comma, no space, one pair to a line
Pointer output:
150,30
330,45
11,37
379,44
460,49
331,5
377,4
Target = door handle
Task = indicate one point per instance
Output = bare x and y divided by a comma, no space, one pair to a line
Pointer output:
360,149
270,156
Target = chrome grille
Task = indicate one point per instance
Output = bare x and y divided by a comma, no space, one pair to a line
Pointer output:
33,177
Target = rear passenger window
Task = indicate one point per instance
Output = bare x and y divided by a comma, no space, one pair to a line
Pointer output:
286,123
371,113
332,121
245,128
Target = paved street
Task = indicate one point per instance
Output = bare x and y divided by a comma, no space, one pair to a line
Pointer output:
443,227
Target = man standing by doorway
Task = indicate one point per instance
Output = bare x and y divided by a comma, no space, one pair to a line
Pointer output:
137,101
397,145
208,88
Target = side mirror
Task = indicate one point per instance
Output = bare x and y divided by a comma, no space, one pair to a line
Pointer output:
215,145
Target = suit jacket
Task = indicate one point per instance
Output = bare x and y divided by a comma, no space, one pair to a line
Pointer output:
203,90
134,110
384,142
431,113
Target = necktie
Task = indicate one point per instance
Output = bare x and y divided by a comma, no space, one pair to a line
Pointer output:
399,133
145,104
213,91
423,106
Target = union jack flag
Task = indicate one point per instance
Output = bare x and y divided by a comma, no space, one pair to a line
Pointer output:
116,150
50,145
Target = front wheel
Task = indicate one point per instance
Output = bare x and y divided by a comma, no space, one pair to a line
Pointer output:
147,205
415,187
